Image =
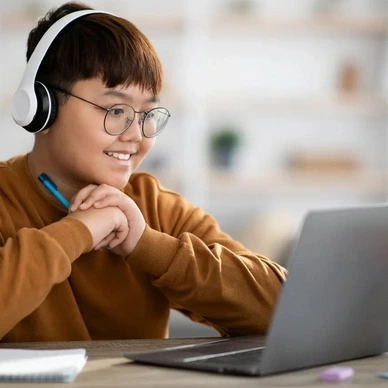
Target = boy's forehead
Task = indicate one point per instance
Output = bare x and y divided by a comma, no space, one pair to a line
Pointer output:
131,92
126,93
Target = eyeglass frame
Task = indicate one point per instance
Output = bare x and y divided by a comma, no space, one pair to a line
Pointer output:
107,110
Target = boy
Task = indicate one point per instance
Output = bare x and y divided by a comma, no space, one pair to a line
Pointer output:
126,250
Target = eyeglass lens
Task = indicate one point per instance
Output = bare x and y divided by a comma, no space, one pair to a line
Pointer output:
120,117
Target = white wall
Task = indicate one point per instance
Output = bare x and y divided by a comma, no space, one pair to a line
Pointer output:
224,75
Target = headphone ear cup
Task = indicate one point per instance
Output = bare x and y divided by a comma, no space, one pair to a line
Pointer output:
46,111
54,108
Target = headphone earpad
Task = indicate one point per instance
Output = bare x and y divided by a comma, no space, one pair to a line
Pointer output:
46,111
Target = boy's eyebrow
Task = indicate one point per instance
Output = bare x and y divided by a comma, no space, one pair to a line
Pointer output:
117,93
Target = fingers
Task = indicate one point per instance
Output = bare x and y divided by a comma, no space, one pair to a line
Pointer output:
111,241
77,200
87,196
105,242
117,236
100,197
130,218
123,202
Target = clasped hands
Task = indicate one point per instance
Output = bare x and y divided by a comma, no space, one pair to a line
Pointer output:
111,216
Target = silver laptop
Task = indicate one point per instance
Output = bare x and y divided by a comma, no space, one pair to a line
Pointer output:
332,307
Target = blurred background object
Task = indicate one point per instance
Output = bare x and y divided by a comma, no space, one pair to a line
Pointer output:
349,78
224,143
303,83
324,161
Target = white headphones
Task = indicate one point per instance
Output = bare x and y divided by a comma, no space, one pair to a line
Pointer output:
34,104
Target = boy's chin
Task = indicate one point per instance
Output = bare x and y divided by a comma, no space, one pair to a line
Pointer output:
117,183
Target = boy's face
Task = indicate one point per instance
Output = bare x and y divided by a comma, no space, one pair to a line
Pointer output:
82,152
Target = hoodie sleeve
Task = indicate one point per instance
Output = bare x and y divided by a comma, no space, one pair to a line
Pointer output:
205,273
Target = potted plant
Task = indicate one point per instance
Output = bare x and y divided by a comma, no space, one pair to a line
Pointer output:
224,143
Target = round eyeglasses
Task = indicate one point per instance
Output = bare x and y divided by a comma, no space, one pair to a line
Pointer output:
119,117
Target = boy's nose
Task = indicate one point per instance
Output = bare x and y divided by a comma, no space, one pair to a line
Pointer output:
134,132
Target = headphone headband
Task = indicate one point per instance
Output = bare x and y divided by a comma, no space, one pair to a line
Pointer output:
24,102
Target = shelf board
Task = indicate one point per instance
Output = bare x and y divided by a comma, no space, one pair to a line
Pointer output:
291,182
14,21
296,182
5,104
158,23
360,104
161,23
171,99
224,22
375,25
340,103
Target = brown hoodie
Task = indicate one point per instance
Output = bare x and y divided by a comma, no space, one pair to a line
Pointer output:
53,287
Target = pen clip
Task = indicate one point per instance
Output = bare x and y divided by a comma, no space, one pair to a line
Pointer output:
45,178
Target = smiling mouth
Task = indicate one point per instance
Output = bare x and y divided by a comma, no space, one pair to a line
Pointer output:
118,155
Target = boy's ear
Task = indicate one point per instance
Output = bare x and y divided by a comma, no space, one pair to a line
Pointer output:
43,133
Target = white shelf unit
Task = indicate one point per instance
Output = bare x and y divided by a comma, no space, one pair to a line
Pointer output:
276,114
326,23
273,75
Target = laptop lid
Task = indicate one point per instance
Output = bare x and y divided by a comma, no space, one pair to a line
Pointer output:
332,306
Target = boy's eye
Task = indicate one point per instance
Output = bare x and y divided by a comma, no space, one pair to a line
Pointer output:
150,116
117,110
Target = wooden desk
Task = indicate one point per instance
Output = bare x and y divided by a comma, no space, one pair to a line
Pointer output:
106,367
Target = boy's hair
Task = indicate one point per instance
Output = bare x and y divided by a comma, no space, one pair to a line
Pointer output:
96,45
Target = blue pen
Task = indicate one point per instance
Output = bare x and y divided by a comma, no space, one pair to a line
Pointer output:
52,188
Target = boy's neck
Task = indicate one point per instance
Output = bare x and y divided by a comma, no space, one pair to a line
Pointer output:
38,165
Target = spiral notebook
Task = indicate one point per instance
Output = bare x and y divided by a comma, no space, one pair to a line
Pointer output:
59,365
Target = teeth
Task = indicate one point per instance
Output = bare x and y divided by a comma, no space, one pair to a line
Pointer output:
119,156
